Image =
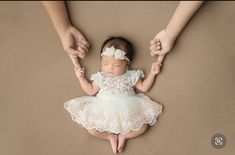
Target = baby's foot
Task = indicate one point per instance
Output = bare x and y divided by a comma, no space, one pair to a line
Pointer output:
121,142
113,141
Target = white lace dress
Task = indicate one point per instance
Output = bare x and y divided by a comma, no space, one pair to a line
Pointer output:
116,108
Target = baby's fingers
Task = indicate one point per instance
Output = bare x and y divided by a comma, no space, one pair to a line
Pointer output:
80,70
77,67
156,67
156,64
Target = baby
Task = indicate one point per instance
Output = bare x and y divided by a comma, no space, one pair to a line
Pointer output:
116,113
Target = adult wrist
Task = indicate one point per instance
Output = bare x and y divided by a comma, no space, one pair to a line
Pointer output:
171,34
63,29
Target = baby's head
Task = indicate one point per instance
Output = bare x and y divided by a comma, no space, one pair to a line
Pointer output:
116,55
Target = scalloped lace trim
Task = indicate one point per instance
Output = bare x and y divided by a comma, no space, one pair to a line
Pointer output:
114,123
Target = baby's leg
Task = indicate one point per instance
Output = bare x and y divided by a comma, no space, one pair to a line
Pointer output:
105,135
98,134
137,133
122,138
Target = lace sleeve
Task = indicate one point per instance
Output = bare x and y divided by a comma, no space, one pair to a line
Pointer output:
136,75
96,78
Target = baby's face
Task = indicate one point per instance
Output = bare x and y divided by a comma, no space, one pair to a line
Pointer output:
113,67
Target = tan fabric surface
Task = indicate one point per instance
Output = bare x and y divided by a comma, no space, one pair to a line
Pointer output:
196,86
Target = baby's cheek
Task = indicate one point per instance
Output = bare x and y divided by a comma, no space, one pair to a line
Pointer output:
121,70
103,68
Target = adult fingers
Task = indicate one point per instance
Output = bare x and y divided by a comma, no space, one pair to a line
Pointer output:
72,52
81,52
154,48
83,46
84,42
154,41
155,52
151,48
157,43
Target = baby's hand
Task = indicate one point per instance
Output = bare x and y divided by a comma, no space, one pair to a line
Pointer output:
80,72
155,69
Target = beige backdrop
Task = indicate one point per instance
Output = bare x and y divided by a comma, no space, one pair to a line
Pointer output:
196,86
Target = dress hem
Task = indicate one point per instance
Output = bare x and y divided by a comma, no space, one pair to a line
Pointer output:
151,122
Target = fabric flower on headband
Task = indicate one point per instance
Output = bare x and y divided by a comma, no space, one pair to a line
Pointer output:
117,53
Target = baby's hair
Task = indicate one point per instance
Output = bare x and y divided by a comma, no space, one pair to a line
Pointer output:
119,43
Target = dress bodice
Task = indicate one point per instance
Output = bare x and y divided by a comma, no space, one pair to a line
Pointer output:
120,85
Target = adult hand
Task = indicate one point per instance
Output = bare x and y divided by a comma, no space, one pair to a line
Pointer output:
165,39
74,43
161,44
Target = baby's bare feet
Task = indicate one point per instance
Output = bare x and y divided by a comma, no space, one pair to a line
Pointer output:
121,142
113,141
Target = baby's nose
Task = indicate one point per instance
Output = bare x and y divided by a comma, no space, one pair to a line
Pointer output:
110,67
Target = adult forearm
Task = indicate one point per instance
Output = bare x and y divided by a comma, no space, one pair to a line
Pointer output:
184,11
58,15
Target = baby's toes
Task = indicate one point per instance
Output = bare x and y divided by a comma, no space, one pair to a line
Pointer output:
113,141
121,142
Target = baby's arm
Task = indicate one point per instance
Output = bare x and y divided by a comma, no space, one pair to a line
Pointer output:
146,84
88,87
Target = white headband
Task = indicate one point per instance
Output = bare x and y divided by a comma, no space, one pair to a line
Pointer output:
117,53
